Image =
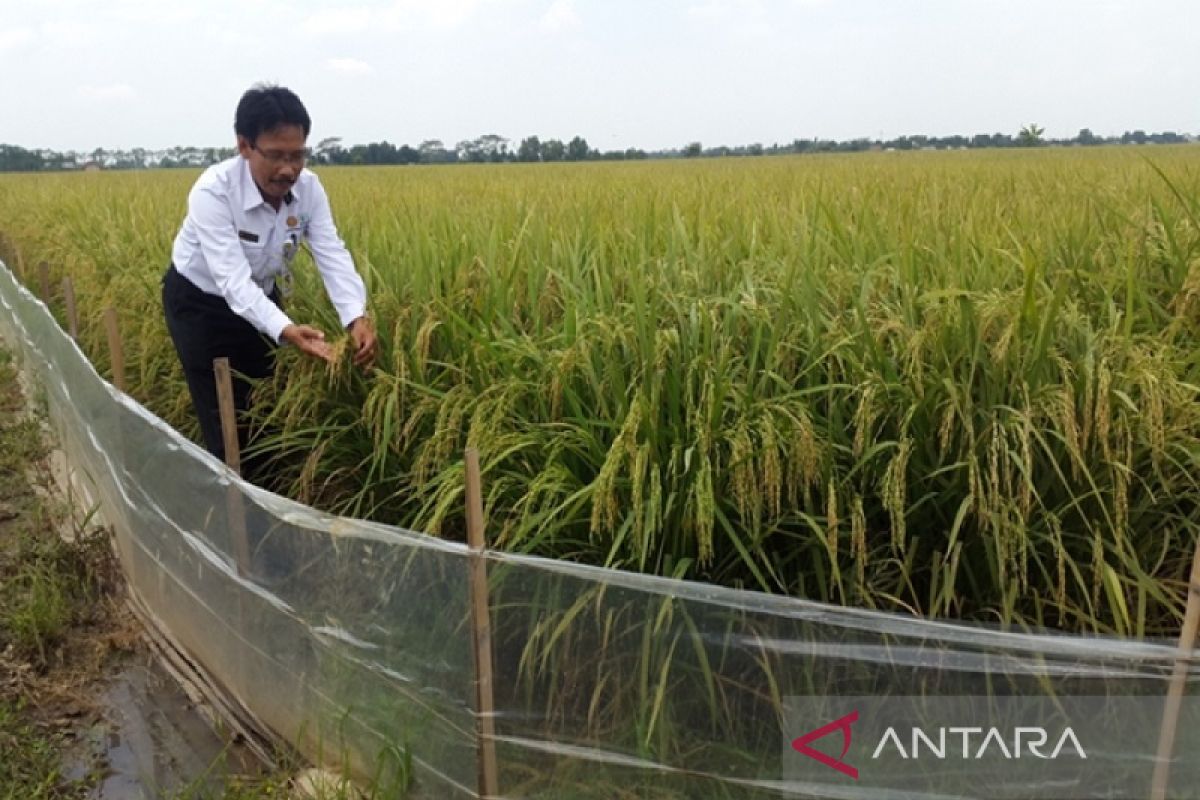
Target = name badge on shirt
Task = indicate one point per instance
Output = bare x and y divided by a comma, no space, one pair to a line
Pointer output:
247,236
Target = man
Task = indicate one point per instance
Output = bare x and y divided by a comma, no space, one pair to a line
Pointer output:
247,218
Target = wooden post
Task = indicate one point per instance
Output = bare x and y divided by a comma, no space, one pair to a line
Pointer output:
233,459
1183,661
485,721
224,378
72,316
115,351
44,275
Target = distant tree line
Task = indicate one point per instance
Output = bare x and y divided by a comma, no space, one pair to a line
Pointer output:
18,159
496,149
488,149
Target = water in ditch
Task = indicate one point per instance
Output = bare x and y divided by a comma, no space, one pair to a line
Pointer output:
151,742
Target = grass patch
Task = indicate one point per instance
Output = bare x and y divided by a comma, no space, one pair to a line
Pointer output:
47,586
30,768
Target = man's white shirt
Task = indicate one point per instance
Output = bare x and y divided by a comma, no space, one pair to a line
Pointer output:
234,244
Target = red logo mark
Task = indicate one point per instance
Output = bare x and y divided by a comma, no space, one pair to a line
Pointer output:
800,744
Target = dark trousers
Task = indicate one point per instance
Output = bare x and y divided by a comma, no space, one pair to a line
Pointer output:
203,328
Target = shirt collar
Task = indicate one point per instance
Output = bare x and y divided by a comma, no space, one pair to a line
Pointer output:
251,196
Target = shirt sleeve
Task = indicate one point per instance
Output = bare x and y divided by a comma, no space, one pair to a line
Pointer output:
344,285
227,264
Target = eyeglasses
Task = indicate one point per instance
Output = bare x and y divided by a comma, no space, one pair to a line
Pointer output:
278,157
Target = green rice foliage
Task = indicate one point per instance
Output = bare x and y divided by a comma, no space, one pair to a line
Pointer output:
959,384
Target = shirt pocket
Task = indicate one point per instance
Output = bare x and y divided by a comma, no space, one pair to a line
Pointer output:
257,256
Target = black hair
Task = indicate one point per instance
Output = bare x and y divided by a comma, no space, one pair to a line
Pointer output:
265,107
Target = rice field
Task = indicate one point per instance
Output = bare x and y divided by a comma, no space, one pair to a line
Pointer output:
957,384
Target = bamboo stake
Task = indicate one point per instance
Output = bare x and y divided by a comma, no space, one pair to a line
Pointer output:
1183,661
224,378
72,316
485,722
44,276
115,351
233,459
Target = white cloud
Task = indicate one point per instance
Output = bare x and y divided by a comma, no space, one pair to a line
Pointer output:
408,14
349,66
232,37
561,16
70,34
111,93
398,15
723,9
446,13
172,14
727,9
744,18
339,21
14,37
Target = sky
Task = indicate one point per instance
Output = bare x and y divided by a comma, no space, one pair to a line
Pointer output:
653,74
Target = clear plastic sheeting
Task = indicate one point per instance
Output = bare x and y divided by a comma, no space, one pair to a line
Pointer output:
353,640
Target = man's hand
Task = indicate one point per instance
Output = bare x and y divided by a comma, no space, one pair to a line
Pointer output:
307,340
362,333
